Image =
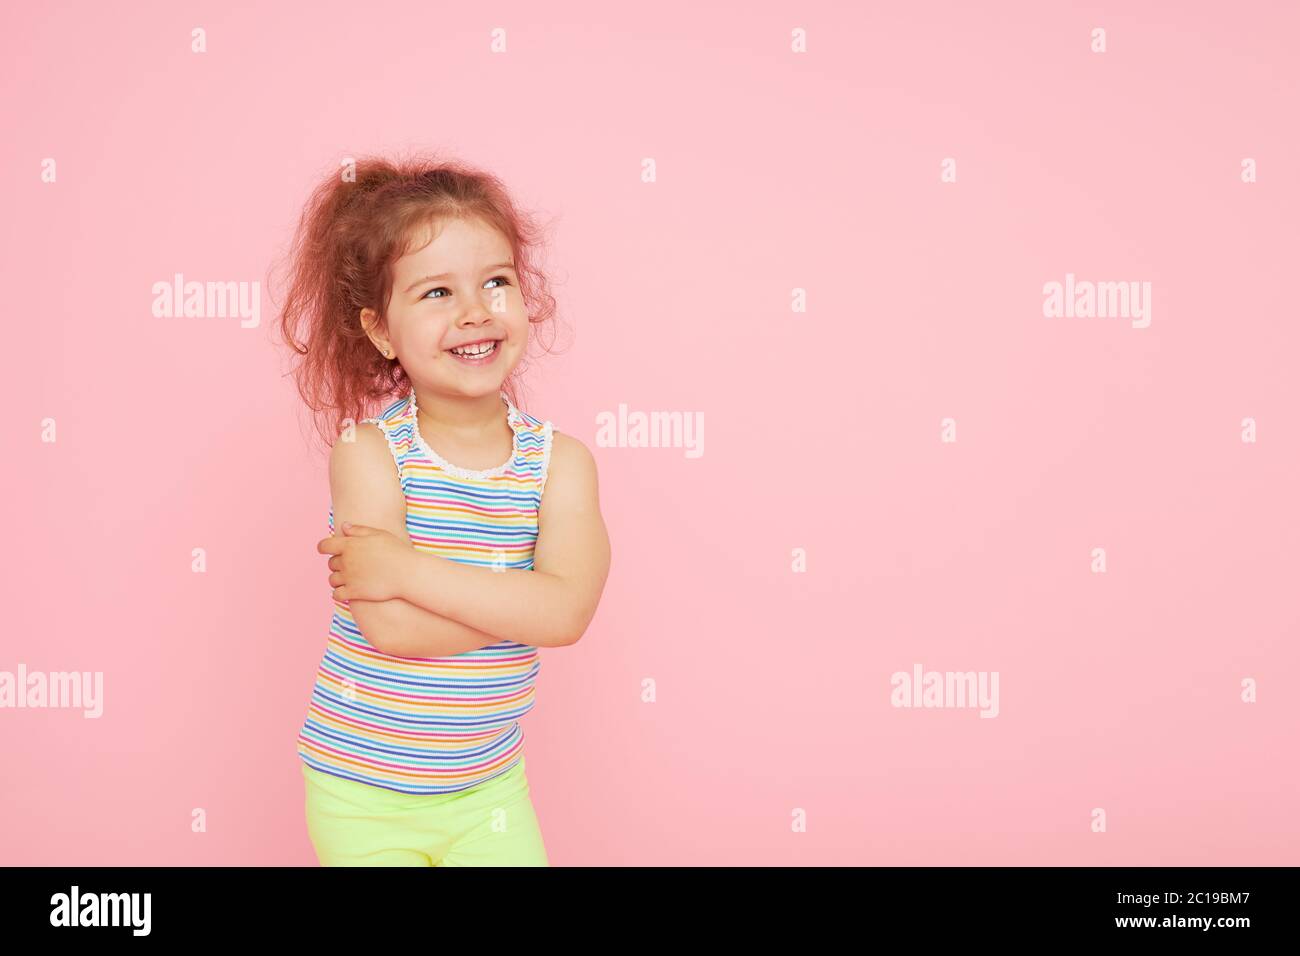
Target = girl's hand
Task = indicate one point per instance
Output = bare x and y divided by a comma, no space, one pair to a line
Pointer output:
369,564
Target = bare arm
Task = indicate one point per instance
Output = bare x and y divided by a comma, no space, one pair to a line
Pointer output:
364,490
552,604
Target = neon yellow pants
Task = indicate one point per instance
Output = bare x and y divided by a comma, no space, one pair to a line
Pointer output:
355,824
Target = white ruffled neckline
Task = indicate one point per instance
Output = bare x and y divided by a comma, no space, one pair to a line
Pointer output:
512,418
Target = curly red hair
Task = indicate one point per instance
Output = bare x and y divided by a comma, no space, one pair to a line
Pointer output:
355,225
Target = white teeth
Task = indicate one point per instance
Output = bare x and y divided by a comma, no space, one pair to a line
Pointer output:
483,348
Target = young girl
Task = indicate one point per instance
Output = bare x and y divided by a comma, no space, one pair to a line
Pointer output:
465,533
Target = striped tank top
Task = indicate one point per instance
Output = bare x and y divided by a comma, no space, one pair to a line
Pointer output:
435,724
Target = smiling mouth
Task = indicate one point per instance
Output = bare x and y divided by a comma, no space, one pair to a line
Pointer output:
477,352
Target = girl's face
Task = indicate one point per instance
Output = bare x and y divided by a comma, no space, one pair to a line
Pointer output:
458,290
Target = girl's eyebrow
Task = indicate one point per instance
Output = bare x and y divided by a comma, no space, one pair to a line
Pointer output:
445,275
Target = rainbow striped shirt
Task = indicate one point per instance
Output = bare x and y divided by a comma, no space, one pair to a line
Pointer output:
435,724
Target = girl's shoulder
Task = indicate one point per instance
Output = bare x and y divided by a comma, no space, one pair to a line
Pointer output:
367,447
571,461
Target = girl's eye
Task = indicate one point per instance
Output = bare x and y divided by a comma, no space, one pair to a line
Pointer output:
443,288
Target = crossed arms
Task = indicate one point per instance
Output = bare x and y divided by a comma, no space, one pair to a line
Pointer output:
449,608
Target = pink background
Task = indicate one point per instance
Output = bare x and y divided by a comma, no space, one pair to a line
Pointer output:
822,430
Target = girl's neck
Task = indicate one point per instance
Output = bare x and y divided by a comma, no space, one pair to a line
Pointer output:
456,415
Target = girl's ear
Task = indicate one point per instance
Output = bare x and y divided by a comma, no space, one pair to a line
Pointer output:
370,323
